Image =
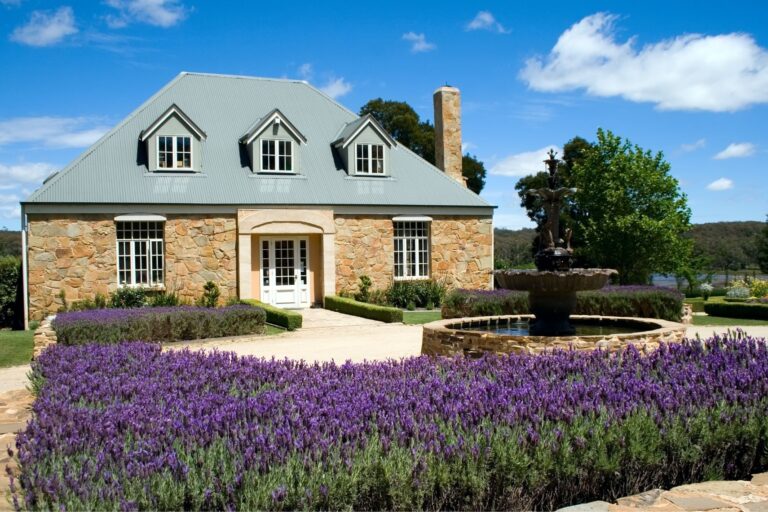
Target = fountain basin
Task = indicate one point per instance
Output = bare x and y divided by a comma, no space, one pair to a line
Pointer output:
460,336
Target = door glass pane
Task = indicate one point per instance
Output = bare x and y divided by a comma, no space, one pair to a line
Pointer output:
265,262
285,264
303,260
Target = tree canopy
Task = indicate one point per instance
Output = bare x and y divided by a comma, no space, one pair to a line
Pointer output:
762,248
400,120
628,212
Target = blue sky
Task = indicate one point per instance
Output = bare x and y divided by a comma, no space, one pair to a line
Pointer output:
686,78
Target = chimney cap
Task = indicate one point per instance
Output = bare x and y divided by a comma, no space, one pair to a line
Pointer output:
446,88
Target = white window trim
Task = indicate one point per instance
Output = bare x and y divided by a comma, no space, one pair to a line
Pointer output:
370,160
191,153
277,155
417,252
149,242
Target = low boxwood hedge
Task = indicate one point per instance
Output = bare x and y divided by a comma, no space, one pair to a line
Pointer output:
362,309
291,320
747,310
157,324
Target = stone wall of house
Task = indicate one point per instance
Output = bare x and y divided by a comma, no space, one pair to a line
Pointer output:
461,251
198,249
77,255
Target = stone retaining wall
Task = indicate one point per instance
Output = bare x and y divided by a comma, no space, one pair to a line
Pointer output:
446,338
43,338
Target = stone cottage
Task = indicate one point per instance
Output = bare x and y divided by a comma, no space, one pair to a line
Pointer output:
267,187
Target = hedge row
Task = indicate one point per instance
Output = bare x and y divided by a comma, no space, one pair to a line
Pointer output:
109,326
290,320
372,311
632,301
737,310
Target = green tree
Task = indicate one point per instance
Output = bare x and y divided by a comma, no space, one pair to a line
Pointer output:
762,248
630,213
399,119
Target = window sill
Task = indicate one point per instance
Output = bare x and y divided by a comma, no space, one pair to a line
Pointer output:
174,174
425,278
371,177
145,287
279,175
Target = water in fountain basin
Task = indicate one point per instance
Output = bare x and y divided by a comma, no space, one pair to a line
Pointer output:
583,328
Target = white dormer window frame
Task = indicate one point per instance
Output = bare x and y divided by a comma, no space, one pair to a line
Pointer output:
366,162
175,152
289,156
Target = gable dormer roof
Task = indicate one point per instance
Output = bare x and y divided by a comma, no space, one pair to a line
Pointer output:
275,116
353,129
184,118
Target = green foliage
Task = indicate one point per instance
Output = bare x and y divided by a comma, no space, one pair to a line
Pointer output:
210,297
10,271
99,301
759,287
727,245
418,293
163,325
372,311
364,293
128,297
464,303
512,247
405,126
738,292
762,248
10,243
290,320
754,311
164,299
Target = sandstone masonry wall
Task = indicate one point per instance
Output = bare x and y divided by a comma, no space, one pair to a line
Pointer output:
461,251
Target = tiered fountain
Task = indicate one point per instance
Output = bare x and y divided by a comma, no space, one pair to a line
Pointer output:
552,289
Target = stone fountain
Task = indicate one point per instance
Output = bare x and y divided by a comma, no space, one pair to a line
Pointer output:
553,285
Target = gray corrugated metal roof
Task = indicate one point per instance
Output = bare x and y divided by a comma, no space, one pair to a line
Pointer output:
225,107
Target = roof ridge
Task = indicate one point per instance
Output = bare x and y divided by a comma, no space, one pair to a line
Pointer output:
244,77
52,180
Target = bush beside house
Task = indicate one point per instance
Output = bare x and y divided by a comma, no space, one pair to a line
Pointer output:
290,320
362,309
10,270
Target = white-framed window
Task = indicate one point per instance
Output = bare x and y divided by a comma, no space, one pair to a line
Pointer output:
411,249
140,253
174,152
369,158
276,155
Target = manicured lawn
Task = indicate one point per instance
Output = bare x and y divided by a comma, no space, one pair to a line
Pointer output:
719,320
420,317
273,329
698,302
15,347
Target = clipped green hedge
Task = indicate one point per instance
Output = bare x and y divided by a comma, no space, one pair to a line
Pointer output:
290,320
750,311
372,311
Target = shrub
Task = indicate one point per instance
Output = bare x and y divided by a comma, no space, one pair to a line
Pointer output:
164,299
10,272
142,429
372,311
754,311
127,297
418,292
157,324
210,297
364,294
633,301
706,290
291,320
738,292
758,288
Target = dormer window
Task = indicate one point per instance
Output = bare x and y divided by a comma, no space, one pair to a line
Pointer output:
174,152
370,159
276,155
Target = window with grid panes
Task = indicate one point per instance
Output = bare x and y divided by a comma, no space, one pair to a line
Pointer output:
277,155
369,159
411,249
174,152
140,253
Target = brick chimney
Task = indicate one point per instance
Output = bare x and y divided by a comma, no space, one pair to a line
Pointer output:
447,101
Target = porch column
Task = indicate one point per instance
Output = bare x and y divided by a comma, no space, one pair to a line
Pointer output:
329,265
244,266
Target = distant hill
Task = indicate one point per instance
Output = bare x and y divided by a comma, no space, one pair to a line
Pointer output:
10,243
724,244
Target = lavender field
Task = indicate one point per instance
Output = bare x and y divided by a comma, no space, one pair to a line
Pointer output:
129,427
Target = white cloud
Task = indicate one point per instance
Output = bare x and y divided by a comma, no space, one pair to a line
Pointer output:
45,28
11,3
720,184
306,71
689,72
25,173
693,146
484,20
736,150
160,13
336,87
418,42
522,164
54,132
468,146
9,207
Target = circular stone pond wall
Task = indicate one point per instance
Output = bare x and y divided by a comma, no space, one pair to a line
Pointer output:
457,337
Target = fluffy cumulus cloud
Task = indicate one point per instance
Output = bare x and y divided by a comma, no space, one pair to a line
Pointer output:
484,20
52,132
305,71
522,164
419,43
46,28
336,87
25,173
716,73
720,184
160,13
736,150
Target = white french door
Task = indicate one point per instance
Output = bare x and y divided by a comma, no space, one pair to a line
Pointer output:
285,271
